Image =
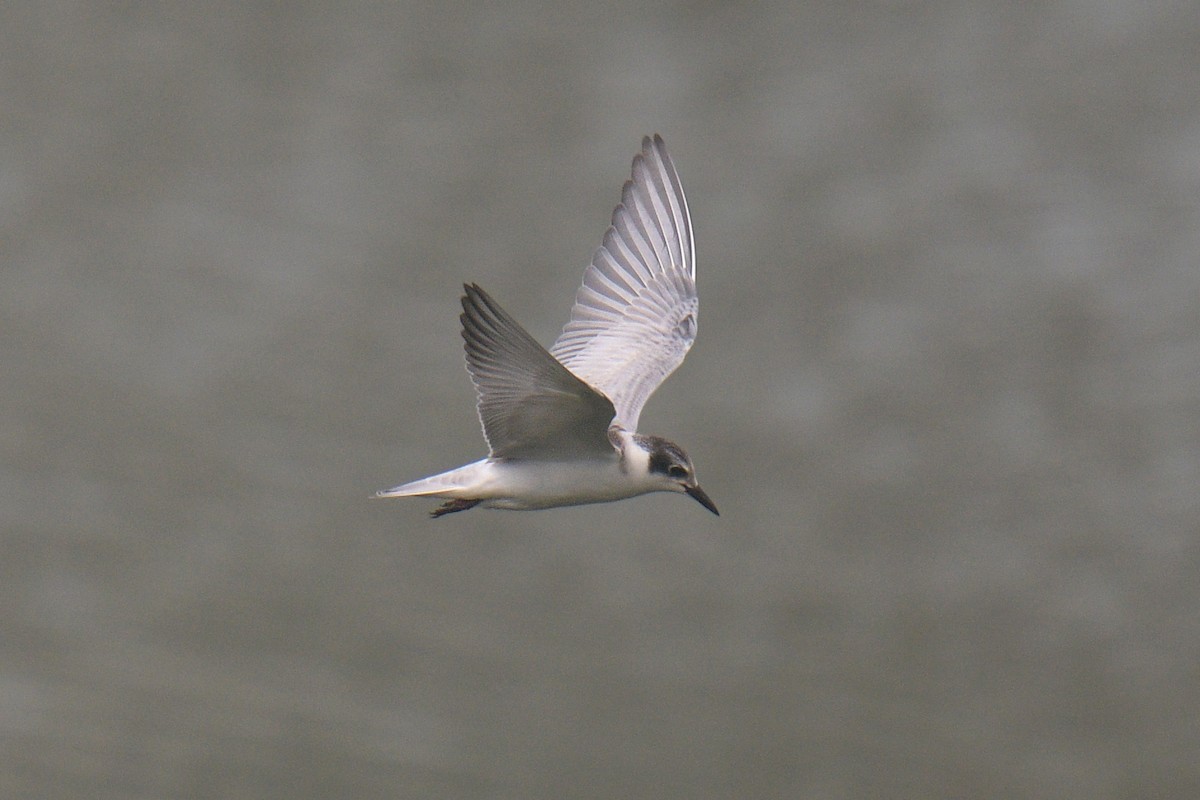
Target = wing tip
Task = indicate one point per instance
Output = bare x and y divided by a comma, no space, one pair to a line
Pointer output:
655,145
477,304
472,291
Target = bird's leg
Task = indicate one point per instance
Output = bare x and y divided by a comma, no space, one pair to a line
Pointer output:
450,506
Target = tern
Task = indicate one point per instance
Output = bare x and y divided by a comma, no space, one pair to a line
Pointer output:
561,424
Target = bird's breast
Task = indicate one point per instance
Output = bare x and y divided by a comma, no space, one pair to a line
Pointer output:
529,484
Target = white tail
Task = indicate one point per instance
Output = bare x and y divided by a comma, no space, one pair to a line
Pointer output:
446,484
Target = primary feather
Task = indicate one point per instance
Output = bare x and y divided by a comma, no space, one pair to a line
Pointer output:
530,405
634,317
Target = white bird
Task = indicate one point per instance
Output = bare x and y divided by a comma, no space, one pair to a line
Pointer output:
561,424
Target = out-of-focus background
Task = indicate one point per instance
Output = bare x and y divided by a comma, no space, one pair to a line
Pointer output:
945,393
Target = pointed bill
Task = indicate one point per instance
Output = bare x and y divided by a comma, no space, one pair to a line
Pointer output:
702,498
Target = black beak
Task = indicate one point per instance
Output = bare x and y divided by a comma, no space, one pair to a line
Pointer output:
702,498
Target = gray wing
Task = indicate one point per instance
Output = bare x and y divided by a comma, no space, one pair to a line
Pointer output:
530,405
634,318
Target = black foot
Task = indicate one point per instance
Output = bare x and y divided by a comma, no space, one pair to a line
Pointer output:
450,506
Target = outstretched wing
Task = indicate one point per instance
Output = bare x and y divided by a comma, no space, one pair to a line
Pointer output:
530,405
634,318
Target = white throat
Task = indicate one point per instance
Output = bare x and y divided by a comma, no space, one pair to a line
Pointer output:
635,459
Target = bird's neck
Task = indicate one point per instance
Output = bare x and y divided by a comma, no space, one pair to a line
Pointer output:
635,459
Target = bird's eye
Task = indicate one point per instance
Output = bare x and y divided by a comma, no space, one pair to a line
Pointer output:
677,471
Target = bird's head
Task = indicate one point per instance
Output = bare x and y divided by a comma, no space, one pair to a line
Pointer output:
671,470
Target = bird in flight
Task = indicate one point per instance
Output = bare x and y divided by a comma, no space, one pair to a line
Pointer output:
561,425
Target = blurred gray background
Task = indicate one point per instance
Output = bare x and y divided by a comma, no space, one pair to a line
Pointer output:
945,393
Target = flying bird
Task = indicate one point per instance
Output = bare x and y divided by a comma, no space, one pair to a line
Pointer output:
561,424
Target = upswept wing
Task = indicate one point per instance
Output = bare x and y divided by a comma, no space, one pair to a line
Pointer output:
634,318
530,405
